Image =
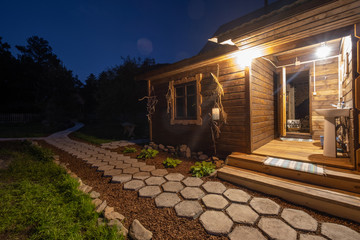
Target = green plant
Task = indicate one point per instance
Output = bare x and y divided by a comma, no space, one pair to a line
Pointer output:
41,154
129,150
171,162
147,153
39,200
201,169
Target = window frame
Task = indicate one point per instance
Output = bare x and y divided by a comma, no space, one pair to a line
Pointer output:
186,81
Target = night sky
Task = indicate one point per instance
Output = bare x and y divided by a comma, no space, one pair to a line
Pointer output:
90,36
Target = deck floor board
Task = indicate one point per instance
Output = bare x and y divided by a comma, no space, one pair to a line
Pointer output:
301,151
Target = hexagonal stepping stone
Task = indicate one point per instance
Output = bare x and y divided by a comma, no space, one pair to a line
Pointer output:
189,209
159,172
192,182
141,175
131,170
175,177
265,206
104,168
147,168
216,222
336,231
112,172
123,165
215,201
149,191
155,181
245,232
242,213
192,193
311,237
115,161
299,220
277,229
122,178
214,187
99,164
172,187
166,199
138,164
134,185
237,195
130,160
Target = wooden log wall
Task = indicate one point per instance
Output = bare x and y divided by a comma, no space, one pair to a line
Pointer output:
234,135
263,96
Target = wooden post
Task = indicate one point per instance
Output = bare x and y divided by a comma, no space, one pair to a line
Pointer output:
356,77
248,106
150,118
282,103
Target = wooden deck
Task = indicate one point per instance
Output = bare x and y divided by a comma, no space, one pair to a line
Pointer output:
302,151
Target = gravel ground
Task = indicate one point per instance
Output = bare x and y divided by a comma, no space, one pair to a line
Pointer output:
163,222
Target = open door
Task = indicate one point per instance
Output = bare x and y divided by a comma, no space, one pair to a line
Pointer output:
282,103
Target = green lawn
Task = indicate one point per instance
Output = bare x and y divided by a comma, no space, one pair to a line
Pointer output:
38,200
29,129
101,132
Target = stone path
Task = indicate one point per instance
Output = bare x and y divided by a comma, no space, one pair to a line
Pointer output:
221,211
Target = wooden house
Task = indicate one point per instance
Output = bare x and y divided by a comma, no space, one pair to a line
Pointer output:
277,67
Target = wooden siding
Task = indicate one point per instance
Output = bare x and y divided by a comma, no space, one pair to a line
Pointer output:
262,103
234,135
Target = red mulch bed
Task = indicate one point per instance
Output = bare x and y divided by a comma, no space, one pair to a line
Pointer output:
163,222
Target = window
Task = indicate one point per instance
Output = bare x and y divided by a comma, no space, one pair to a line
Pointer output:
186,102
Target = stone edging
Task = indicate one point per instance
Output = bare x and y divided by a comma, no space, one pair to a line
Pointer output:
111,217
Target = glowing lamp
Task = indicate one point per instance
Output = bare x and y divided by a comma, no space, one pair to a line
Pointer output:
245,57
215,114
323,51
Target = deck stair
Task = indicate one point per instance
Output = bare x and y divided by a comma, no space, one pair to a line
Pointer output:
334,178
336,193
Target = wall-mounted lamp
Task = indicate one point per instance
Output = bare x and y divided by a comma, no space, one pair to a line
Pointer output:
215,114
245,57
323,51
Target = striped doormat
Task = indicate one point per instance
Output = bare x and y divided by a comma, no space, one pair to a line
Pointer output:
295,165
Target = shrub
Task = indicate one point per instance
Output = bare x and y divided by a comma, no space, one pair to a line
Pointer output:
201,169
129,150
171,162
147,153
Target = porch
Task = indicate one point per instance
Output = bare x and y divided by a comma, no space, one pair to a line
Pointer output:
336,192
306,151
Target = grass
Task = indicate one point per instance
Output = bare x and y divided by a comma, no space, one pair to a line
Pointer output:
38,200
100,132
90,139
29,129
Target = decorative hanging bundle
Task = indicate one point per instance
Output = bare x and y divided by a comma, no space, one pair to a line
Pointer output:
151,103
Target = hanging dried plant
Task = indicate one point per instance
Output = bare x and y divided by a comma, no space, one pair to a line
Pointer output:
216,125
151,103
170,96
219,91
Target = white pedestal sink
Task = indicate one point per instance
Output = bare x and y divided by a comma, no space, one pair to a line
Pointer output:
329,128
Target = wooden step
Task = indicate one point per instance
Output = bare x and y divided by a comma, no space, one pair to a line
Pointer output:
298,135
343,180
341,204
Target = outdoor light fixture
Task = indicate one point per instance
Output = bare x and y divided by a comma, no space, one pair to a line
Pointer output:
244,58
323,51
215,114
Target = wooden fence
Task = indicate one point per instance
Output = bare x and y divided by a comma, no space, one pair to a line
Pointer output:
18,117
